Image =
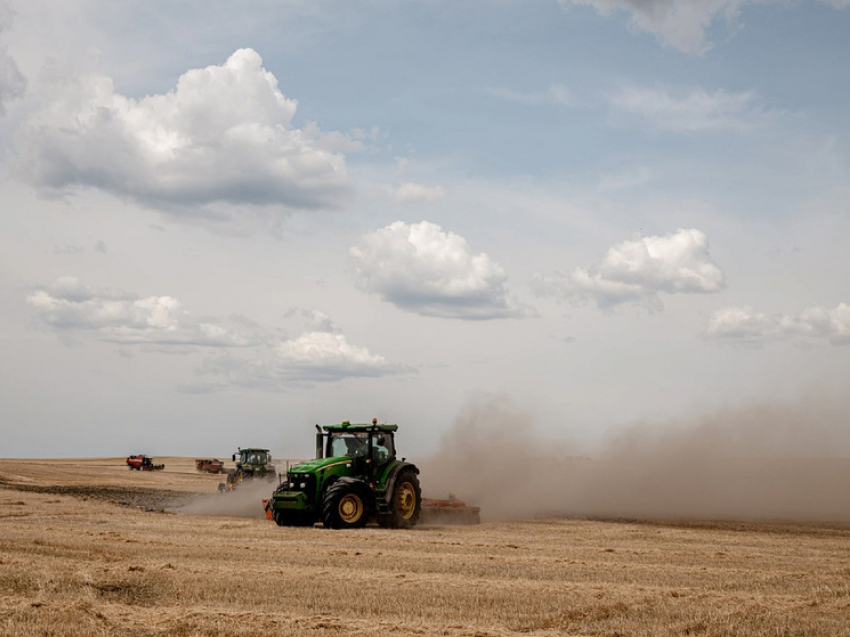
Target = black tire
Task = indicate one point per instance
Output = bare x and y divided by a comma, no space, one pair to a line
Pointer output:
347,505
292,518
405,503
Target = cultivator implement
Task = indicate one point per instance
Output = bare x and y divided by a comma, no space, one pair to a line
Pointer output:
452,511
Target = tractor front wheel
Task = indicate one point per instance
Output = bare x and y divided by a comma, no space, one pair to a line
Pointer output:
292,518
406,502
347,505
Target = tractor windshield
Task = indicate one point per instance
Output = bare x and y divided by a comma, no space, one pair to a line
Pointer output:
355,445
255,458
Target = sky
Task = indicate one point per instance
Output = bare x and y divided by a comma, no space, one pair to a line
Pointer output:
225,222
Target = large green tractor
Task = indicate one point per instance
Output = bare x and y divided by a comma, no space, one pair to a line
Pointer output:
355,478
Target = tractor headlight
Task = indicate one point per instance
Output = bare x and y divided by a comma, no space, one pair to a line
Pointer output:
303,485
291,485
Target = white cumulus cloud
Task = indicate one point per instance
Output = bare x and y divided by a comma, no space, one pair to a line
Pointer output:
679,23
266,359
412,192
422,268
744,326
309,358
409,192
694,110
221,139
638,271
321,347
75,310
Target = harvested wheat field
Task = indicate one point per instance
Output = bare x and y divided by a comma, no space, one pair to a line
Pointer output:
90,548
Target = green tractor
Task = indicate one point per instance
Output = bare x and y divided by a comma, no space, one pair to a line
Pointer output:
354,479
251,464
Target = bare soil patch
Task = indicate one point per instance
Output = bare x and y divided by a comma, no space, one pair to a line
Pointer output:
75,561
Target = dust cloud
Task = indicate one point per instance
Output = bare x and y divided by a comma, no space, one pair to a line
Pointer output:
244,501
788,461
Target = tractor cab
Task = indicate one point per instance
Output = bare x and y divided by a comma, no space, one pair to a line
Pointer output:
252,458
369,447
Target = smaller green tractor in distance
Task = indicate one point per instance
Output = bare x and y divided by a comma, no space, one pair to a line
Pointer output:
355,478
251,464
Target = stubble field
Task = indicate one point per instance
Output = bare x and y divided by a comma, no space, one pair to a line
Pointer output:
90,548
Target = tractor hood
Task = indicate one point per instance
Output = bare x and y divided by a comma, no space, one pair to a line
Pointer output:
313,466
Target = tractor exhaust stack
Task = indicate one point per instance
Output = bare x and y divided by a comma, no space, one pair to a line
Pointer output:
319,440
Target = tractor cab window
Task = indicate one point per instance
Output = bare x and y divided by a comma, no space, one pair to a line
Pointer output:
383,448
354,445
255,458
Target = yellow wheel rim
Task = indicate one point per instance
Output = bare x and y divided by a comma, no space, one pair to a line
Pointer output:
350,508
405,499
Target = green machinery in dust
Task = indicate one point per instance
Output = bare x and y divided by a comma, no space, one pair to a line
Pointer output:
251,463
355,478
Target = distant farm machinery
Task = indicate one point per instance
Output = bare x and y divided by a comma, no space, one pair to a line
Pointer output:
251,464
210,465
143,463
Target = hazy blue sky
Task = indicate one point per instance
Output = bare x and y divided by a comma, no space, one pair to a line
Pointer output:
224,222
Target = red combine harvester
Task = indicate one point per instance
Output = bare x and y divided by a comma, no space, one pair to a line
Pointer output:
143,463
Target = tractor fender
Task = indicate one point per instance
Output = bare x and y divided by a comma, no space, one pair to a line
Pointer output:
327,485
397,468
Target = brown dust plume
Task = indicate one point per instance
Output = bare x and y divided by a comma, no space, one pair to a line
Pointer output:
786,462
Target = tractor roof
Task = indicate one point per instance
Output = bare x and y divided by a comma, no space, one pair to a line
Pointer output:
251,449
347,426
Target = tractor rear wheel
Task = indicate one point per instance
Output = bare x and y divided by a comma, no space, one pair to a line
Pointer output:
347,505
406,502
